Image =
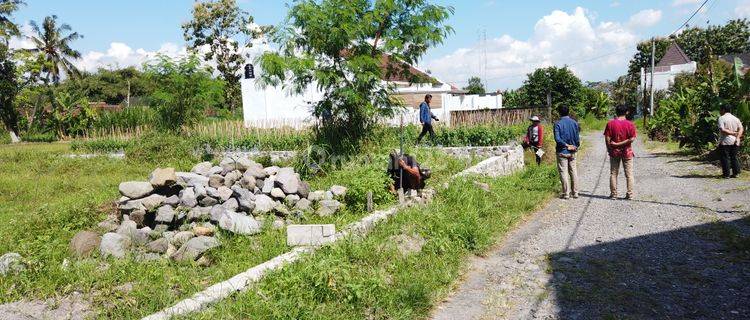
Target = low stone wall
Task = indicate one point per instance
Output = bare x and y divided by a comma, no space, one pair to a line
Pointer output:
507,161
480,152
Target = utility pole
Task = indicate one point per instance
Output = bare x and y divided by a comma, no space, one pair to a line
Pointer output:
653,67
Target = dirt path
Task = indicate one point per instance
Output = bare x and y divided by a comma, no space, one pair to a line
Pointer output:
679,250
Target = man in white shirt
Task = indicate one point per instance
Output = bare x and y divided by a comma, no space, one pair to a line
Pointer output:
730,136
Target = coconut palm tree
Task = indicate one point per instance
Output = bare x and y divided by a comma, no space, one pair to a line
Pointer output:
7,27
52,41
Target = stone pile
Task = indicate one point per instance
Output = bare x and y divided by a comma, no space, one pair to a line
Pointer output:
177,215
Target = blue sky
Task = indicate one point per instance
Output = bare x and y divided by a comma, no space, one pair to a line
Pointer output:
521,35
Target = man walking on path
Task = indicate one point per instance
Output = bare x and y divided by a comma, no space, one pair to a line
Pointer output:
567,138
619,135
534,138
426,117
730,134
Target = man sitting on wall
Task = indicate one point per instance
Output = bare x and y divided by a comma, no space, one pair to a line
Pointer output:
413,175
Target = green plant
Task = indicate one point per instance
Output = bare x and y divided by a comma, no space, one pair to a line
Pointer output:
39,137
183,88
162,149
71,114
127,118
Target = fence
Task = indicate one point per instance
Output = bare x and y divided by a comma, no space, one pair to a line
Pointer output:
495,116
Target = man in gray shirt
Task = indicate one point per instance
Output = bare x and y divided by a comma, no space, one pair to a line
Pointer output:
730,135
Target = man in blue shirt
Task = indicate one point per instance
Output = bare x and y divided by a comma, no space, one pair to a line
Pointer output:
426,117
567,138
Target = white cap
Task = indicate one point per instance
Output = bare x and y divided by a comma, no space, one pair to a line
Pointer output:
534,118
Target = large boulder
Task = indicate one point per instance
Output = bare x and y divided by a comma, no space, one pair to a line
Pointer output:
152,202
223,193
165,215
256,171
135,189
231,178
194,248
247,181
232,204
338,191
11,263
217,212
328,207
202,168
263,204
158,246
84,243
192,179
215,181
316,195
114,244
268,185
188,198
303,204
277,193
288,180
208,201
304,189
180,238
239,223
128,228
130,206
272,170
173,201
163,177
199,213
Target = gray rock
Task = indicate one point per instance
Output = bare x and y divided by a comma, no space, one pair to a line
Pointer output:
130,206
278,224
316,195
191,179
217,212
328,195
158,231
304,189
152,202
138,216
232,204
242,193
303,204
163,177
128,229
199,213
248,180
165,215
215,170
188,198
84,243
288,180
223,193
202,168
281,210
173,201
277,193
328,207
291,200
11,263
194,248
200,191
230,164
208,202
114,244
135,189
268,185
158,246
338,191
215,181
108,225
231,178
122,199
256,171
181,238
141,236
263,204
239,223
272,170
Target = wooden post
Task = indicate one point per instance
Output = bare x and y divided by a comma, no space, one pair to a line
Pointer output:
370,205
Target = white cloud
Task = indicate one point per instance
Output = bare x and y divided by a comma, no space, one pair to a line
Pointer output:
645,18
679,3
743,9
120,55
559,38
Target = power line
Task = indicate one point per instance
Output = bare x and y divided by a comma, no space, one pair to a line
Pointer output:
691,18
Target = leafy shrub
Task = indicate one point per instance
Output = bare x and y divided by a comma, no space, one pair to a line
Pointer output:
360,177
99,145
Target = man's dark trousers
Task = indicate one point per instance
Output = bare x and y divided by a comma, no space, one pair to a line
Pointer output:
427,127
730,165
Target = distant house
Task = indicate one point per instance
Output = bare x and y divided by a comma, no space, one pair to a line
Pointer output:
277,107
674,62
742,58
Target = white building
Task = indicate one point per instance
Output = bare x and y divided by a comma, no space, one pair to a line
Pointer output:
277,107
674,62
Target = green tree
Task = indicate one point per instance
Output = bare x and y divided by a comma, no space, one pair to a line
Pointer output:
514,98
218,25
112,86
340,47
562,85
183,89
8,28
71,114
9,88
52,43
475,86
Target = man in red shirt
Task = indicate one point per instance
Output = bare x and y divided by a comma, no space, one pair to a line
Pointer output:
619,135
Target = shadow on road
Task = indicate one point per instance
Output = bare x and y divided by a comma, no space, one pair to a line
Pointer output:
701,272
682,205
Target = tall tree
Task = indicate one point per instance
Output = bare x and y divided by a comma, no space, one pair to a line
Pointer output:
52,42
7,27
224,28
475,86
346,48
562,85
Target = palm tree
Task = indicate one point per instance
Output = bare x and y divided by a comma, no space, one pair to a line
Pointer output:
7,27
52,42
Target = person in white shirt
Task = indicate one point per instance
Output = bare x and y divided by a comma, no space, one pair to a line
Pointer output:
730,136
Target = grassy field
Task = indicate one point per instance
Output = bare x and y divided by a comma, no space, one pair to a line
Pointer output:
371,279
45,198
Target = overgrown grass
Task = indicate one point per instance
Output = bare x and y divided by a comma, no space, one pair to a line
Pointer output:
369,279
46,198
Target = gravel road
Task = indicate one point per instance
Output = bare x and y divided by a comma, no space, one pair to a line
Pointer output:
678,251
